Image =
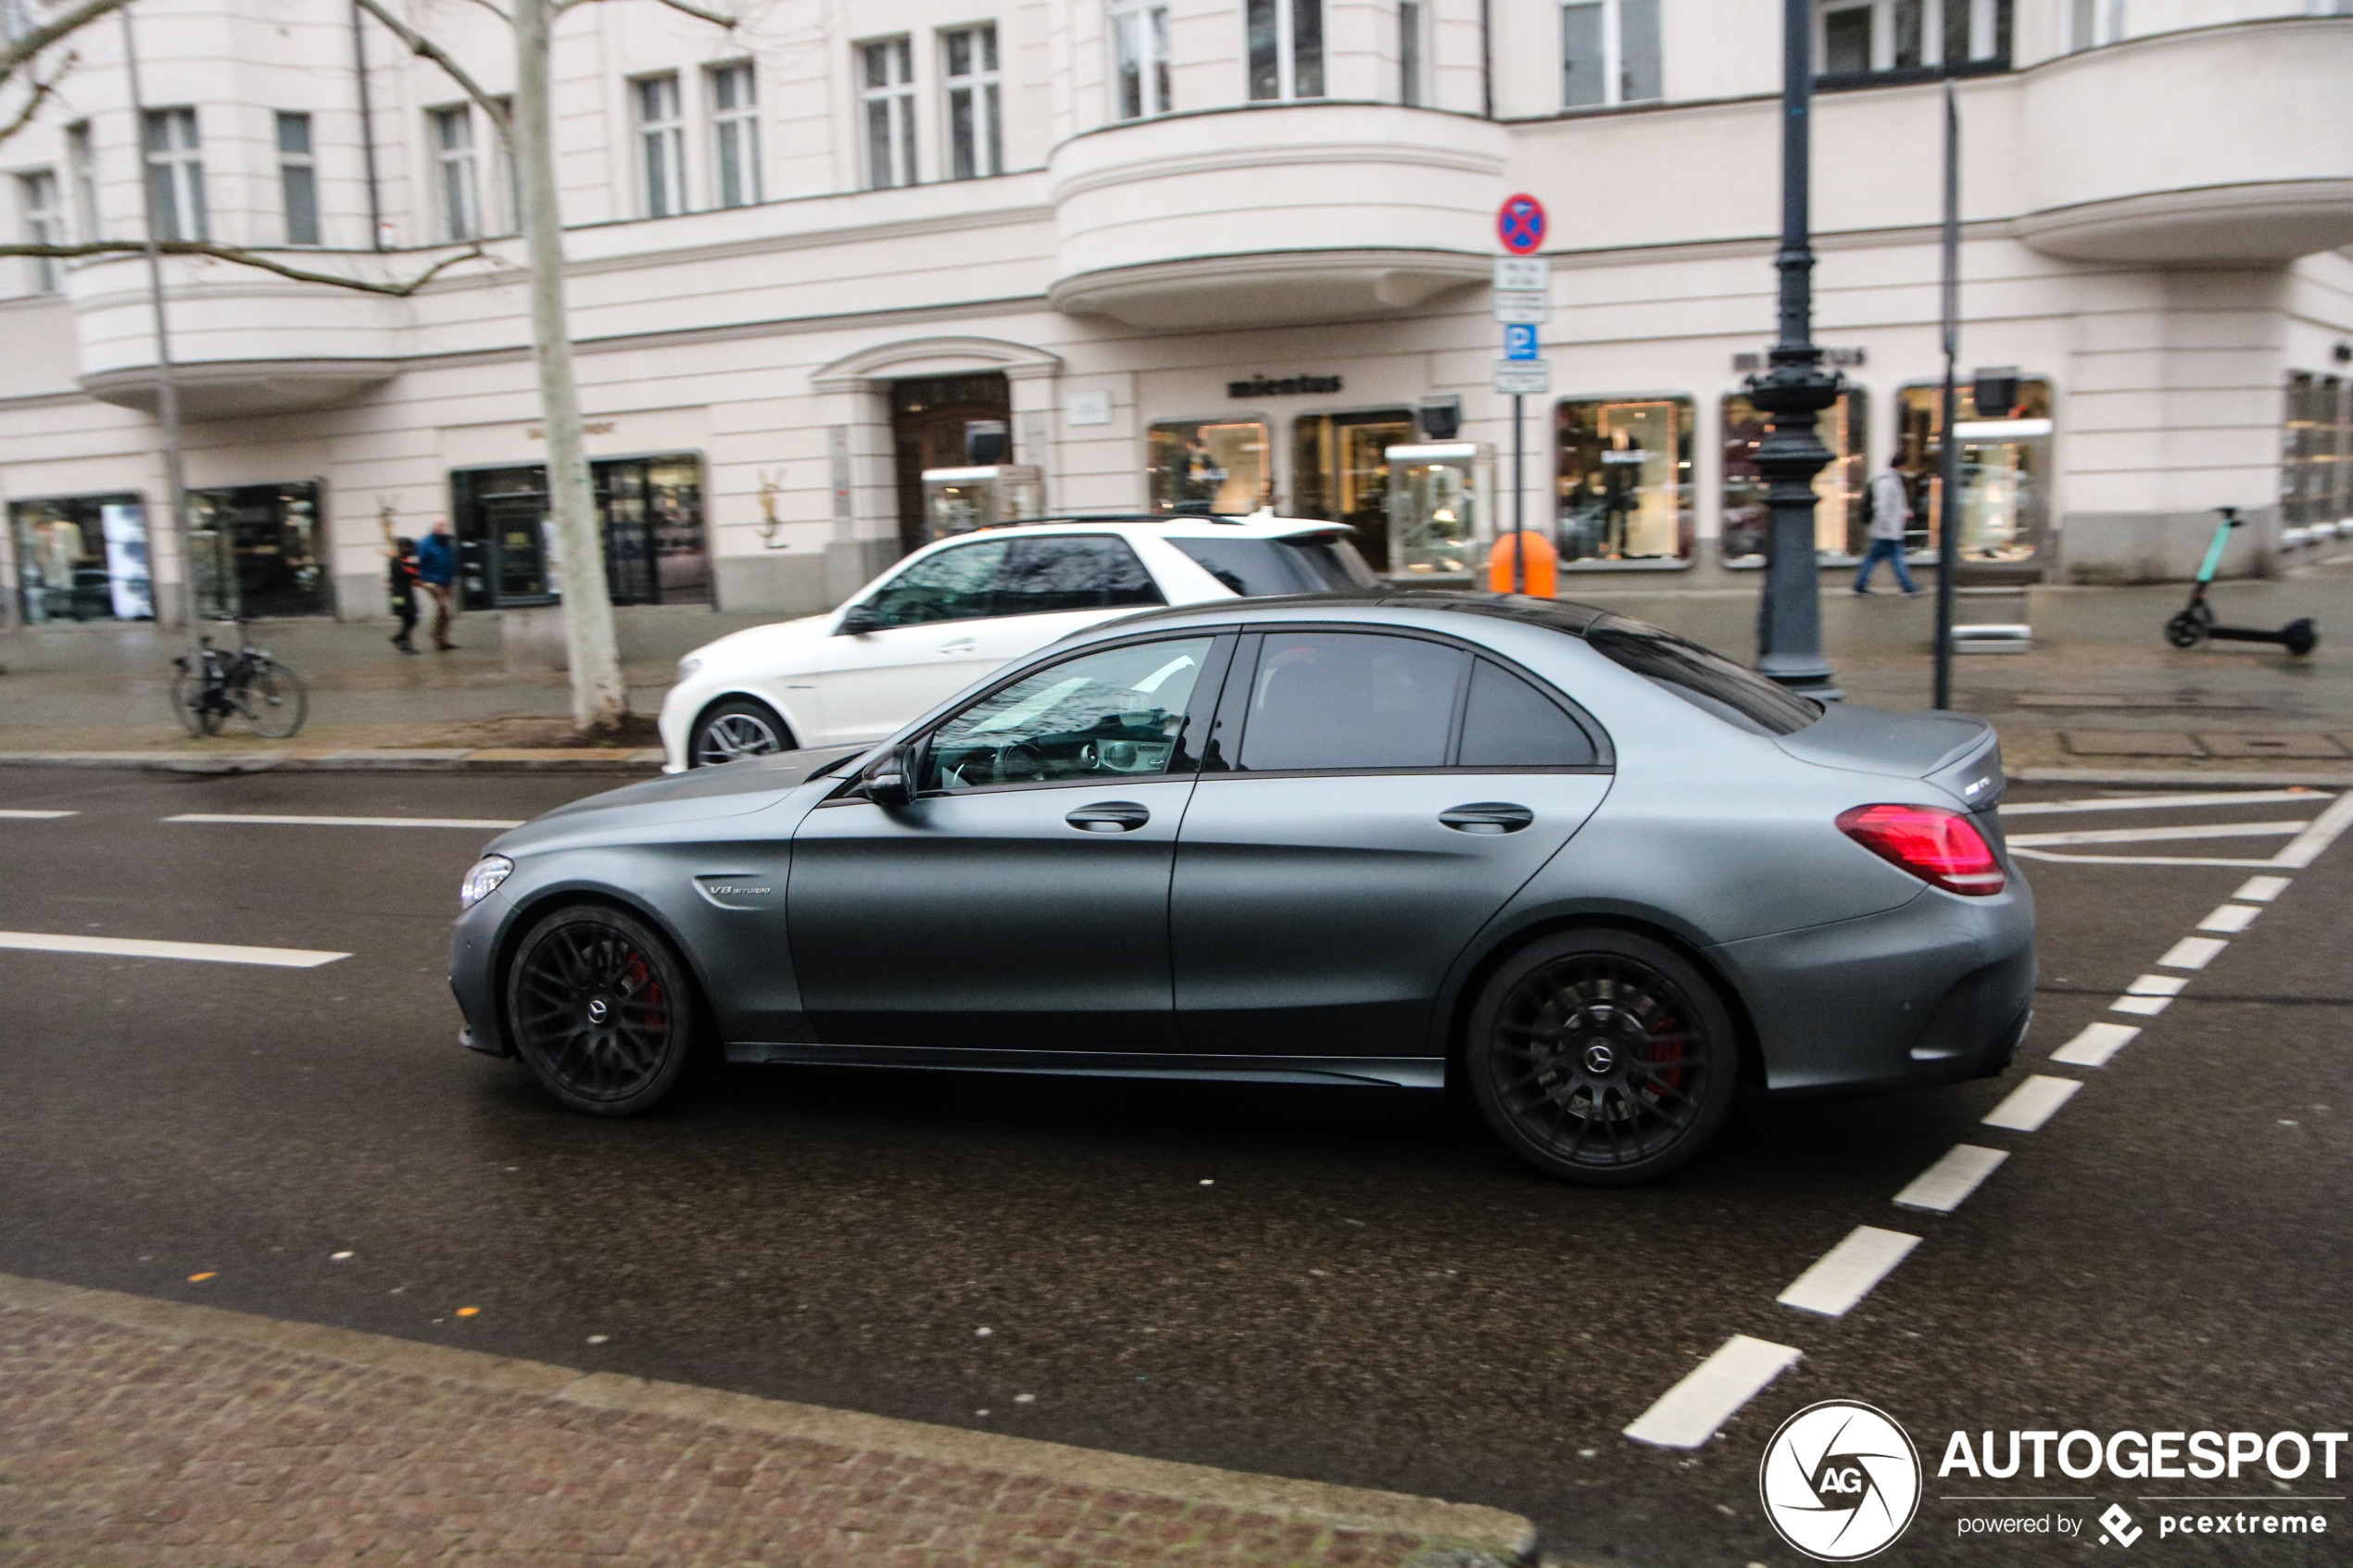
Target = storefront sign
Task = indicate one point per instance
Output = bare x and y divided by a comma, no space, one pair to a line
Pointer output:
1287,386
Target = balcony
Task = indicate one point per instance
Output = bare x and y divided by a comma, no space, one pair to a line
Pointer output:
2223,146
1273,215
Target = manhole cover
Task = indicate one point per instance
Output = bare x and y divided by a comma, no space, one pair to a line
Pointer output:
2292,745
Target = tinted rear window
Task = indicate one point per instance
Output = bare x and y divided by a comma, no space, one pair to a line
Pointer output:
1509,723
1705,680
1315,563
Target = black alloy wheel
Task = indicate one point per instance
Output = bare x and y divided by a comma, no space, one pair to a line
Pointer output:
1603,1057
600,1010
738,727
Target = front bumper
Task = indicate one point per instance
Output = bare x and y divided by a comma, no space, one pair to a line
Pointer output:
473,941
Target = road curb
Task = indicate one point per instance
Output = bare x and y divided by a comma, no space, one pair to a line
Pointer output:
2176,778
1468,1526
490,759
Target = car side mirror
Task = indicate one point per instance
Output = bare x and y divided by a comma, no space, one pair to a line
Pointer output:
857,621
890,780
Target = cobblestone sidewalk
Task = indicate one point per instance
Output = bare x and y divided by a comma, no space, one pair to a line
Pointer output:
144,1433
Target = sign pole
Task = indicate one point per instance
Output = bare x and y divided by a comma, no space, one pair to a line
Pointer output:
1519,506
1949,496
1523,303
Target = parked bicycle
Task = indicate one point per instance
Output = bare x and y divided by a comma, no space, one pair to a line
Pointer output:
211,685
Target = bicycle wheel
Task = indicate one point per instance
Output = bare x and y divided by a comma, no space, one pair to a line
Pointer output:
196,716
273,701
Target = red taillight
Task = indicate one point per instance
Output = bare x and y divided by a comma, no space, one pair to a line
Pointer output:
1933,842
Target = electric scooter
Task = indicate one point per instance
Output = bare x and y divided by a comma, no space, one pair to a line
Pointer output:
2195,624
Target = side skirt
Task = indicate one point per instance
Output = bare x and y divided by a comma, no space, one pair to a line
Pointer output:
1374,1072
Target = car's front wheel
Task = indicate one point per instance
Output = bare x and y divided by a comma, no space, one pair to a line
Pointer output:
738,727
1602,1057
600,1010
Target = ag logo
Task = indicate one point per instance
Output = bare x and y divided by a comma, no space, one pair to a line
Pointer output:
1840,1480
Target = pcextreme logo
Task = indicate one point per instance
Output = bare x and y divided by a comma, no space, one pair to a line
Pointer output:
1840,1481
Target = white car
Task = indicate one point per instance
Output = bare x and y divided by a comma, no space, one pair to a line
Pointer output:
957,609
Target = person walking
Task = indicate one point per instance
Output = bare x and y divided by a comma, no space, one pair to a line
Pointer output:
402,585
1891,515
438,571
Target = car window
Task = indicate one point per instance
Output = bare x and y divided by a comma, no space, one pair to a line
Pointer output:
1314,563
1707,681
1508,723
952,585
1324,700
1116,714
1073,571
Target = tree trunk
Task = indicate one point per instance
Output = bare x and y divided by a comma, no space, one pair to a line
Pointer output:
600,700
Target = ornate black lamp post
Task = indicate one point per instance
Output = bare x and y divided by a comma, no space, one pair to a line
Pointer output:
1794,391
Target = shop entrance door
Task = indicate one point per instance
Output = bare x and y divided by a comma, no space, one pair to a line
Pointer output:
1341,472
257,551
514,534
945,422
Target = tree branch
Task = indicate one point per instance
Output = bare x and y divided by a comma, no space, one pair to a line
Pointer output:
246,259
15,55
40,93
421,46
491,5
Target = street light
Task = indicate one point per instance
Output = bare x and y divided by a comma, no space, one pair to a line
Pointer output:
1793,391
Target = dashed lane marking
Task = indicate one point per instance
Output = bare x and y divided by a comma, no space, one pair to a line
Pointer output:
2150,995
1712,1393
1943,1185
2160,802
2261,890
20,815
343,822
2034,1102
2095,1044
2155,836
2231,918
202,952
1848,1271
2192,952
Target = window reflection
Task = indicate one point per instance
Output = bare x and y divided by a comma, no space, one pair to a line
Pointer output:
1842,510
1205,466
2004,470
1623,477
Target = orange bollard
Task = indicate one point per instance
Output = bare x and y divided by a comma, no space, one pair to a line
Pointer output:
1543,568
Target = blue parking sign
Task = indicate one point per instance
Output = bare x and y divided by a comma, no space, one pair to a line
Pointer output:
1519,343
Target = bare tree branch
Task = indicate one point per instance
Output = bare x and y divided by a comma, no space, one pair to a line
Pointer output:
42,88
491,5
421,46
713,17
246,259
15,55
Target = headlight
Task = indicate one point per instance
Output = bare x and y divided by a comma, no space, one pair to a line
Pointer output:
688,665
483,880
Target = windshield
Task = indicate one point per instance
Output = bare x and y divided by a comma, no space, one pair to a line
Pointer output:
1709,681
1305,563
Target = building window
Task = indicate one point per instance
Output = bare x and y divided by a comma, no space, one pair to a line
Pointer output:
2004,469
735,134
297,180
453,151
1609,52
887,74
175,175
1625,479
662,145
81,168
1286,49
1205,466
43,225
1139,58
1411,88
81,558
976,139
1864,37
2316,468
649,511
1841,511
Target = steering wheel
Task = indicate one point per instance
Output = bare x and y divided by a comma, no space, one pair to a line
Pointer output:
1017,762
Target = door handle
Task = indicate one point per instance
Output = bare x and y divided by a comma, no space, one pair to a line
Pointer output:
1108,816
959,644
1488,816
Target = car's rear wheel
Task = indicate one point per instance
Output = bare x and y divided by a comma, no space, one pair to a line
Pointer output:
1602,1057
600,1010
738,727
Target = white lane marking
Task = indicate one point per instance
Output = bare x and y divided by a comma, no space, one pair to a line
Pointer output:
1712,1393
20,815
2145,1006
1848,1271
2032,1103
2157,986
1943,1186
2192,952
204,952
2261,890
2136,860
343,821
2319,836
2229,917
2158,802
2155,835
2095,1044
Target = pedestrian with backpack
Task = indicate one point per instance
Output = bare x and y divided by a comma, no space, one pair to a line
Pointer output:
1891,515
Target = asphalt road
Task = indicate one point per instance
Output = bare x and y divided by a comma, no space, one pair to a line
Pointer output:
1350,1285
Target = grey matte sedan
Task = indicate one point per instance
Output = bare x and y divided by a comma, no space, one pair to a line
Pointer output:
1595,874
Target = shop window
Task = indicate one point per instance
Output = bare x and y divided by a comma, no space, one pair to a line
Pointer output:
81,558
1625,479
2004,470
1286,49
2316,456
1140,59
258,550
1609,52
1205,466
1341,472
1842,509
656,544
1856,39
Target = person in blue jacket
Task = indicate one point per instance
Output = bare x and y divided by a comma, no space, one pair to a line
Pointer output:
437,574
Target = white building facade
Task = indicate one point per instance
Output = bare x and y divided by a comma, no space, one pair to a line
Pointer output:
1173,254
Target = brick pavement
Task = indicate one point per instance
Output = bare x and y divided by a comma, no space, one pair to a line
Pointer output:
143,1433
